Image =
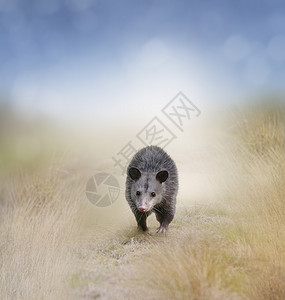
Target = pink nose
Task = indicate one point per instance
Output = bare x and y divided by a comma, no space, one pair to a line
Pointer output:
142,208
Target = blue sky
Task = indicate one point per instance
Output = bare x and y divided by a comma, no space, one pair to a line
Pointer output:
95,58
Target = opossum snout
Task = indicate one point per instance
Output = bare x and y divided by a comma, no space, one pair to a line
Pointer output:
143,205
142,208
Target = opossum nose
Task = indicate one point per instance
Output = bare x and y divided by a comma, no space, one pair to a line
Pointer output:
142,208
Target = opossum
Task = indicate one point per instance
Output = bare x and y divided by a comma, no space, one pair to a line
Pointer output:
152,186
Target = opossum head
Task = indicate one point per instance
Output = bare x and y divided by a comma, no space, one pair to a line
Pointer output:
147,188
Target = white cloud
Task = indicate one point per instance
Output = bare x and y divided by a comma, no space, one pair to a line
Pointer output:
153,54
257,70
276,48
237,48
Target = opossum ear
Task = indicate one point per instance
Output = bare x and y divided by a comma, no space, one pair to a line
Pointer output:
135,173
162,176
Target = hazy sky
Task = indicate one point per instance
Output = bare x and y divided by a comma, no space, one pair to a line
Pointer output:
96,58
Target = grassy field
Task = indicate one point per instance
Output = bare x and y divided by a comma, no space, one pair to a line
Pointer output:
226,240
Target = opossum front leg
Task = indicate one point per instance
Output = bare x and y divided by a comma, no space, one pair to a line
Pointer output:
164,219
141,220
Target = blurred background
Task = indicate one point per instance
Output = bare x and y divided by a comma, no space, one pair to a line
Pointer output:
79,80
108,65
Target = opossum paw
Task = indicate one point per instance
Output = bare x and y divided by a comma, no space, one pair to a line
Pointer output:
161,229
143,230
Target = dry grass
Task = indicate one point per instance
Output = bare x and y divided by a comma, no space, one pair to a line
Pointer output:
234,249
38,232
231,248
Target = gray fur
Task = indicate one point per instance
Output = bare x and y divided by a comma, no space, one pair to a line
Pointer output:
152,170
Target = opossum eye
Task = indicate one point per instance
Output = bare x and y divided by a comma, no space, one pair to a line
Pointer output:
153,194
138,193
